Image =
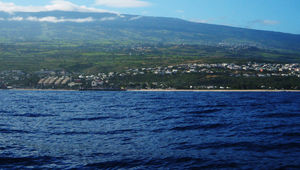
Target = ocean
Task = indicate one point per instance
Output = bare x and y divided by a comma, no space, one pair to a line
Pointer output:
149,130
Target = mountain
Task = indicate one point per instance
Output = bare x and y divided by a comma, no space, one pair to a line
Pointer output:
101,27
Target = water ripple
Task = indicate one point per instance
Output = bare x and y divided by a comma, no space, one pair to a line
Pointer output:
149,130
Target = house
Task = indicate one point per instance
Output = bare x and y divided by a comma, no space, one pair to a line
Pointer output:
94,84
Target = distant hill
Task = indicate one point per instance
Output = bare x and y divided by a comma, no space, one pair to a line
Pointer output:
77,26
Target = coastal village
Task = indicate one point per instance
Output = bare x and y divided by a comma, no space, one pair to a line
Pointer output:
48,79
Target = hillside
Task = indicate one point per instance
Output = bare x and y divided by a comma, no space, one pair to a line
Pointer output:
103,27
94,58
93,42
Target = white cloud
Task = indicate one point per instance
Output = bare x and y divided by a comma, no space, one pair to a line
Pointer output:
123,3
57,20
135,18
270,22
180,11
16,19
200,21
81,20
108,19
1,19
59,5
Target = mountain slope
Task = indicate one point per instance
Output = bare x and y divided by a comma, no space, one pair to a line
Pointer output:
76,26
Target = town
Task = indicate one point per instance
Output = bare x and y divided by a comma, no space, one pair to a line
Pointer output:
148,78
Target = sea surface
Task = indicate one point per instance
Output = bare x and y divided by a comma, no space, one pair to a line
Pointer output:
149,130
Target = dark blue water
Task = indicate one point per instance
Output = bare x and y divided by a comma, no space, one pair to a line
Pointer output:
149,130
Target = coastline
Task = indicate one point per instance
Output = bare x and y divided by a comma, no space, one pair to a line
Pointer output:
187,90
163,90
31,89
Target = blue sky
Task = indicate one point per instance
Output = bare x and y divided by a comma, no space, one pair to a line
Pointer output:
274,15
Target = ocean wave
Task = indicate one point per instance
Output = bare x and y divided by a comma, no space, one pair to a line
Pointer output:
91,118
279,115
27,162
33,115
13,131
205,111
199,127
133,130
143,163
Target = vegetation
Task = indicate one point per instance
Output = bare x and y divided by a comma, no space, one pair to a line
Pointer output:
204,81
93,57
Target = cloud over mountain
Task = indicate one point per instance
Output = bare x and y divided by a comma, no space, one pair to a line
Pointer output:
57,20
54,19
55,5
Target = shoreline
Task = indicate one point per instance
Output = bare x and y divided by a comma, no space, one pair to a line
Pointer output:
31,89
187,90
164,90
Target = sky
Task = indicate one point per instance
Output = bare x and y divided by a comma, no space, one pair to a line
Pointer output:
273,15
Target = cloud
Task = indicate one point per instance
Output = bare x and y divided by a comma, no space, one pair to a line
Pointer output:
180,11
204,21
16,19
263,22
270,22
108,19
123,3
57,20
135,18
55,5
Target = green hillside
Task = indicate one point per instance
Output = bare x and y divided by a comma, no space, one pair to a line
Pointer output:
93,42
96,57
